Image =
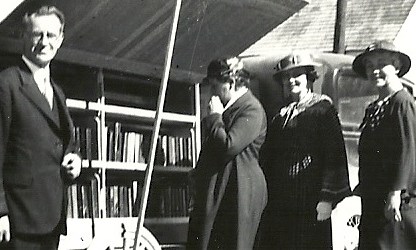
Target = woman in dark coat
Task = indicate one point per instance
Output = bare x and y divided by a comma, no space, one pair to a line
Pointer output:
230,187
387,151
305,162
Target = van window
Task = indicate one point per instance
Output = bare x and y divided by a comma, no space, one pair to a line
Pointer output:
354,95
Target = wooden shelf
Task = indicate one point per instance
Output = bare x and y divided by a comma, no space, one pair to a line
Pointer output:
79,107
114,110
129,166
76,104
114,165
172,169
167,220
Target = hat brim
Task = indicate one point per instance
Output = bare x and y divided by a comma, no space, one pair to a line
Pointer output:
310,66
206,81
359,68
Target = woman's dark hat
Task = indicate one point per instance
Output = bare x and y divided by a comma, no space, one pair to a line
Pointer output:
217,68
295,60
377,46
225,68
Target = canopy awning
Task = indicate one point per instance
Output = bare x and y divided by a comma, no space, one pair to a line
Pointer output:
131,35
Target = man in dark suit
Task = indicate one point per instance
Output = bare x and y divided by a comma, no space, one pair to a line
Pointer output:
37,150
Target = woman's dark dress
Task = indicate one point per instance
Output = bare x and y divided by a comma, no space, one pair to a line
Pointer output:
387,162
305,162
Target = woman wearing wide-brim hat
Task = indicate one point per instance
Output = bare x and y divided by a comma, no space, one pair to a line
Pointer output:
387,152
304,160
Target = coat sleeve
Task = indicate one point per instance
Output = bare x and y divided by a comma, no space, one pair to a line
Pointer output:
402,161
268,148
245,129
335,179
5,120
73,146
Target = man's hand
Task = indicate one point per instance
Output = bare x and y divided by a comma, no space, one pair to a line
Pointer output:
324,209
4,228
392,207
72,165
215,105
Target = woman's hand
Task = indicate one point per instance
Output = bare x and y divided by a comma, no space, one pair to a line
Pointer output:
4,229
392,207
324,210
215,105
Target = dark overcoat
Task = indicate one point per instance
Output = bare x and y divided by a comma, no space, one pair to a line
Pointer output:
387,159
33,141
230,187
305,162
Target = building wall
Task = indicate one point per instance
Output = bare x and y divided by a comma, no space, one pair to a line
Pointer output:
406,40
312,27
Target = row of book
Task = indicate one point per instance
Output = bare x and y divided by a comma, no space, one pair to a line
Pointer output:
121,200
83,201
167,200
133,147
129,146
87,141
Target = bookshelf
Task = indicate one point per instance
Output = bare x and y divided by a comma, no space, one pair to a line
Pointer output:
112,128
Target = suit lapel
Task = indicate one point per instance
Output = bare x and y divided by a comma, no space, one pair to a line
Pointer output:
61,105
30,89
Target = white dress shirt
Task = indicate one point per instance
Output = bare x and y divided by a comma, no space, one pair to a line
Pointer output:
42,79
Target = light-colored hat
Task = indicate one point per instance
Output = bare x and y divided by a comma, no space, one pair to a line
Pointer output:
377,46
296,60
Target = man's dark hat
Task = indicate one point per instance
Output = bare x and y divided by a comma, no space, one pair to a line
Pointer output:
377,46
295,60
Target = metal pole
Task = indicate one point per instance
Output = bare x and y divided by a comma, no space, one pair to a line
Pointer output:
156,127
340,23
197,136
